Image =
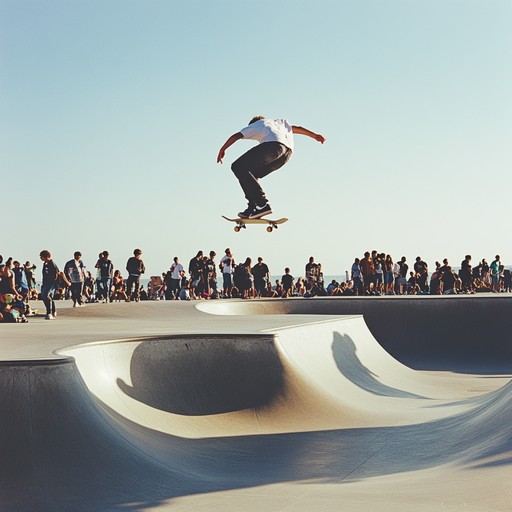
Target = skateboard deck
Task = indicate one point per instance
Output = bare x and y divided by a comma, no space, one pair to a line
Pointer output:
242,223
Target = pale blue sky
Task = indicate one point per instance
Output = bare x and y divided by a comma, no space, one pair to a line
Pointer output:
112,113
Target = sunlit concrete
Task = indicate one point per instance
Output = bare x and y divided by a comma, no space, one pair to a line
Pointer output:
328,404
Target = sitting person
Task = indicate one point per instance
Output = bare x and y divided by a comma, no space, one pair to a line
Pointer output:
118,286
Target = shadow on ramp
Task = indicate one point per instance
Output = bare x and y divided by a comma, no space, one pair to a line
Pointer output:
204,376
344,352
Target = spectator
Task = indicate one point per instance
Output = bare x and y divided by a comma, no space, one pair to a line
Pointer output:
495,274
227,265
449,281
177,271
104,277
389,278
195,269
421,269
20,281
402,279
312,272
357,278
49,285
135,268
287,281
261,276
118,285
74,270
368,271
466,274
210,276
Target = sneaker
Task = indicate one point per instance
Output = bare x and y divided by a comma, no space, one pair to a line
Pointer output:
260,211
49,317
247,212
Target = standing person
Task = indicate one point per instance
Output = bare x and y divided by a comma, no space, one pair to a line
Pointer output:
275,137
20,281
31,278
402,279
388,275
176,273
357,277
227,265
495,274
368,271
287,281
134,267
466,274
244,280
195,269
74,270
210,275
50,283
104,278
312,271
261,275
421,269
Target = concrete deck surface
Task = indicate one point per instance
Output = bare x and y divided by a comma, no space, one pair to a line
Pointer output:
323,404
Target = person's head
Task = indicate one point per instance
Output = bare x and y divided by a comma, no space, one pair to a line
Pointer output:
175,259
16,264
403,260
468,257
497,257
248,262
260,259
366,254
45,255
105,254
199,254
137,253
445,261
311,259
256,118
418,258
213,254
77,255
117,273
287,270
228,251
357,260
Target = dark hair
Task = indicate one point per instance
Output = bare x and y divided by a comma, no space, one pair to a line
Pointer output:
256,118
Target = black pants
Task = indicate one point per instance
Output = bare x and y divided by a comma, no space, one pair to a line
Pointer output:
76,292
257,163
133,287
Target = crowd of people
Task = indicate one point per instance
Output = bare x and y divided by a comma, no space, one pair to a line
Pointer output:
373,274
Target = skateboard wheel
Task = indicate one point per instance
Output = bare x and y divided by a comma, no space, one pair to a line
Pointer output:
237,229
269,229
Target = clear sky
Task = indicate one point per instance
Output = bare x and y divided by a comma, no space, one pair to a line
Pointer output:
112,113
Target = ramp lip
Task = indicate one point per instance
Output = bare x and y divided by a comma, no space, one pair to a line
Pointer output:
38,362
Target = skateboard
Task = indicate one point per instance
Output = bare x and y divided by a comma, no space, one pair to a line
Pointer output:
242,223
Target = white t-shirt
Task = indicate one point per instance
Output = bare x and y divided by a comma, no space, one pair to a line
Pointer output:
270,130
176,271
227,266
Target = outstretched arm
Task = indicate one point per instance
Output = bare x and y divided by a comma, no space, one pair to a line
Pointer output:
304,131
229,142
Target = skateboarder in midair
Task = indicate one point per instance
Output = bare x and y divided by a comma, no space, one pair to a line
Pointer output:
275,137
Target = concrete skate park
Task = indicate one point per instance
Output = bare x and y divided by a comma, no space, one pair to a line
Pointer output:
378,403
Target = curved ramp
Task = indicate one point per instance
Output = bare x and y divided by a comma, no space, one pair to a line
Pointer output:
325,375
313,415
